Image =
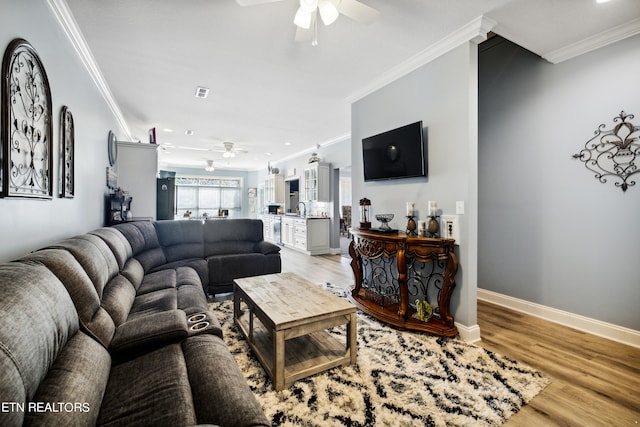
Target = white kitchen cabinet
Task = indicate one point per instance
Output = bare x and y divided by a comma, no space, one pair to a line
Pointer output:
316,182
308,235
267,231
274,189
288,227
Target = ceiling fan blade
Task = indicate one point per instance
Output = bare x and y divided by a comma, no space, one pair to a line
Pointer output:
303,35
358,11
254,2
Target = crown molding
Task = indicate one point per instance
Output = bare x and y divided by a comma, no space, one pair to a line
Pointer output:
475,32
68,24
594,42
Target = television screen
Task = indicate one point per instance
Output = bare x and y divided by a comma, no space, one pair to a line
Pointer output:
398,153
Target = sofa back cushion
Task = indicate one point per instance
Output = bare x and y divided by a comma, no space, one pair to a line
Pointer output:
118,244
37,318
232,236
144,243
181,239
64,265
95,257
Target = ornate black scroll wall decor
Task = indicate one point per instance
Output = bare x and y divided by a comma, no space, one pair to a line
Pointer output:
67,150
26,124
614,153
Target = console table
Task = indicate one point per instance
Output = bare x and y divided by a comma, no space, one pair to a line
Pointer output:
384,266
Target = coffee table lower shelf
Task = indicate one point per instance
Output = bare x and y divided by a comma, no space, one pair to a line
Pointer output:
304,353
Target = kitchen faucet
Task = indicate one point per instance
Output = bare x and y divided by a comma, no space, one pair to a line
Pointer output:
304,209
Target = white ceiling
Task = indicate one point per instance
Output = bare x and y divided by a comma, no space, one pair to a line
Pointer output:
270,94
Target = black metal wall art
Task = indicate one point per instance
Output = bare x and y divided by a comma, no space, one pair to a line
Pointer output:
67,152
614,153
26,124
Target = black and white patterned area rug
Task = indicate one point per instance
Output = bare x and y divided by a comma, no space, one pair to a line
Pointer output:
401,379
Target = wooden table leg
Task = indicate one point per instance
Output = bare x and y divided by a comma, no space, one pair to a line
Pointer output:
278,360
352,337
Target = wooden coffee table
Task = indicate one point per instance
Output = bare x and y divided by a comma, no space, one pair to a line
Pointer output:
289,337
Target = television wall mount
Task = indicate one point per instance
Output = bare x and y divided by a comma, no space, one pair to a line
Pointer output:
614,153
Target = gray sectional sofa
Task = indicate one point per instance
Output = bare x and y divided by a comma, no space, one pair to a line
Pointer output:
112,327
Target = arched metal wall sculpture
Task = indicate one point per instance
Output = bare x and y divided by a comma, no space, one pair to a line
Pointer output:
614,153
26,124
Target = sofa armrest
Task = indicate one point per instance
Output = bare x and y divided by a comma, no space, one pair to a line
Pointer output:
148,332
267,248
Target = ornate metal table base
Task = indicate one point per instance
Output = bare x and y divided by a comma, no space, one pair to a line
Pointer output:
392,270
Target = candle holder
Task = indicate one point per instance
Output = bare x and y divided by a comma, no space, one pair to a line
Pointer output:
433,226
411,226
365,212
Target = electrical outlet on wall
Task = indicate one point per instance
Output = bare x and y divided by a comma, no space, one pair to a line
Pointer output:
450,227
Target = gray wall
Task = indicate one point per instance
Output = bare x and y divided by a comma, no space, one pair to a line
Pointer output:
26,225
443,95
549,232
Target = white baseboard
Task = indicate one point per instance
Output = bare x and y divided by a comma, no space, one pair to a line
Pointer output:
585,324
469,334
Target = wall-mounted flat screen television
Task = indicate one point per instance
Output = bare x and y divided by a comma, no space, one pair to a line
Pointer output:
398,153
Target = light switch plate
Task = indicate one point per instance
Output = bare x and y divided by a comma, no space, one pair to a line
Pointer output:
459,208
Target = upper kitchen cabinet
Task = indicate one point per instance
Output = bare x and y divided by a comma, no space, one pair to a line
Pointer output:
274,188
316,182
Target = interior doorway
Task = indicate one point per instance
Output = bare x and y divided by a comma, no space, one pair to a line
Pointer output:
345,209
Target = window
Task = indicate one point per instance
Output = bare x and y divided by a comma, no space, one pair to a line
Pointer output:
210,196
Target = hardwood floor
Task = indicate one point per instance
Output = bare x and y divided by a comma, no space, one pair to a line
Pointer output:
595,382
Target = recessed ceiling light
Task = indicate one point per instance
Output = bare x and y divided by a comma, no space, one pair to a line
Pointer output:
167,130
202,92
188,132
267,154
287,143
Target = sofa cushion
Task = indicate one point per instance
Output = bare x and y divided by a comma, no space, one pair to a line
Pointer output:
152,389
232,236
77,379
207,357
158,280
95,257
181,239
116,241
80,287
134,272
144,243
117,299
38,319
223,269
198,264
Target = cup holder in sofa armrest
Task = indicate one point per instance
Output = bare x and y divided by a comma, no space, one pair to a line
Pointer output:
198,326
196,318
204,322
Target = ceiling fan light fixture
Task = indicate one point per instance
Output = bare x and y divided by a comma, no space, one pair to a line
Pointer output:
328,12
228,154
302,19
209,167
309,6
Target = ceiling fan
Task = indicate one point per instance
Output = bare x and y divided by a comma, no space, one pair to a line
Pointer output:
228,150
306,17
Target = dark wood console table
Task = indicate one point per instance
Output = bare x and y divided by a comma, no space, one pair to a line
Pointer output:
392,305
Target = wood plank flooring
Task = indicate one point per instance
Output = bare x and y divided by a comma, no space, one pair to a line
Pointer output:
595,382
